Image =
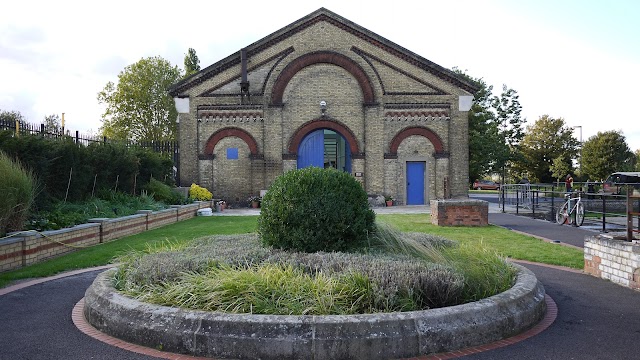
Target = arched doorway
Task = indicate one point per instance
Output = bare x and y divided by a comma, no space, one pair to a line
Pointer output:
325,148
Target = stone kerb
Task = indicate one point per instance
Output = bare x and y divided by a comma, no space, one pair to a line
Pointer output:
370,336
459,212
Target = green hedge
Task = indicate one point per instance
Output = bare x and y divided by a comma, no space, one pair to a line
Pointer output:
61,164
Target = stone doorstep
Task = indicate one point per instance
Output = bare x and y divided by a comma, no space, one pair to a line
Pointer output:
367,336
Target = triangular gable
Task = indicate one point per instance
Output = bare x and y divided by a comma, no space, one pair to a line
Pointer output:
319,15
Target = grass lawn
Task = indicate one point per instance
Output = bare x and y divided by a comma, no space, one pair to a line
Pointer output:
505,242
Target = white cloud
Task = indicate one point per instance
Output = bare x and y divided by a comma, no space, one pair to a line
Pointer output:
56,56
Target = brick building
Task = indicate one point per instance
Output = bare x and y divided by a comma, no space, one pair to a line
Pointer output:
326,92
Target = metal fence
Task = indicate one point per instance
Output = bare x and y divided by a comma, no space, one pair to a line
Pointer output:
603,212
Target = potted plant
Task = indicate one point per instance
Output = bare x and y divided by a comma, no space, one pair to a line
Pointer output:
255,201
389,200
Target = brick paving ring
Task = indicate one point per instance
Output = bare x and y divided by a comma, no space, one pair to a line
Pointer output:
368,336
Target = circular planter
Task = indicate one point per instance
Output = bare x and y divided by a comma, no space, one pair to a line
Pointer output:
368,336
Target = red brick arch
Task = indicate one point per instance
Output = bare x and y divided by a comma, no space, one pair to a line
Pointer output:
416,130
322,57
305,129
221,134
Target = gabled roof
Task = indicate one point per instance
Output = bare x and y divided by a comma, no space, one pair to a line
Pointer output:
323,14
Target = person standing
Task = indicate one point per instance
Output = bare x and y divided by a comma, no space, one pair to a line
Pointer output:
569,182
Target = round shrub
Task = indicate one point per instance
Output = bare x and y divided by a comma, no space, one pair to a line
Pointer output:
198,193
314,209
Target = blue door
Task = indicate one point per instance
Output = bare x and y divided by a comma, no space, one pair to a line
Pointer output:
311,150
415,182
324,148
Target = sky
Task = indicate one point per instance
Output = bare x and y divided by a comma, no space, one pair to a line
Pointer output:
578,60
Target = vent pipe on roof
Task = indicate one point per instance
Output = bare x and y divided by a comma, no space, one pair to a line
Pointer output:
244,83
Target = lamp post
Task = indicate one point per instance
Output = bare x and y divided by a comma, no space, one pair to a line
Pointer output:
580,159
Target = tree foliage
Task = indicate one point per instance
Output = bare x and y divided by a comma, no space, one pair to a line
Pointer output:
495,129
12,116
510,130
52,124
545,141
560,168
191,63
139,108
483,134
606,153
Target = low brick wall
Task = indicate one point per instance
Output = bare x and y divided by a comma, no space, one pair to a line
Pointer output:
453,212
115,228
156,219
30,247
609,258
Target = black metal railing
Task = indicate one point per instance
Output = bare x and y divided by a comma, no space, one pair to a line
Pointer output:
603,211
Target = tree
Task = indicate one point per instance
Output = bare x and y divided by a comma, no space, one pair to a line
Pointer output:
606,153
140,108
483,133
559,168
637,160
52,124
191,62
543,142
12,117
509,126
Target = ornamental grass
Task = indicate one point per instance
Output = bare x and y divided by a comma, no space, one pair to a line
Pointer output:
238,274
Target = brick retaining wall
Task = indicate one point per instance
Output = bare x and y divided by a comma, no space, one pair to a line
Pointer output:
30,247
459,212
613,259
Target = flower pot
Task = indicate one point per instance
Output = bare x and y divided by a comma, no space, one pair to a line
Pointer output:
255,204
389,202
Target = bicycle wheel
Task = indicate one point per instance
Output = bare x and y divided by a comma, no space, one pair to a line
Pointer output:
562,214
579,214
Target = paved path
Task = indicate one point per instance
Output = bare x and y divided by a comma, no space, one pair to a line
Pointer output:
596,318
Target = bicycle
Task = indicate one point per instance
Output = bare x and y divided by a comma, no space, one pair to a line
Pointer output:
576,212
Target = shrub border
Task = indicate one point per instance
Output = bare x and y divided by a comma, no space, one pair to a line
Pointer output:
369,336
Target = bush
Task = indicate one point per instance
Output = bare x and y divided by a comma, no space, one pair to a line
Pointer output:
107,204
198,193
154,165
18,189
114,166
315,209
163,193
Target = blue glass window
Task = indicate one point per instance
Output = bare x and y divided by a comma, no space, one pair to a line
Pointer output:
232,153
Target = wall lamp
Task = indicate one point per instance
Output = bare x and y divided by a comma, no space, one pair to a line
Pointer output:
323,107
